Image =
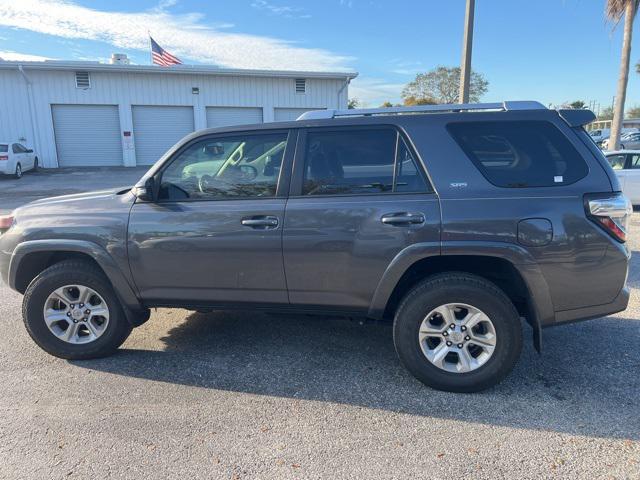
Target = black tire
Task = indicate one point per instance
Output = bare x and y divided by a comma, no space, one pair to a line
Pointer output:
18,173
35,164
468,289
66,273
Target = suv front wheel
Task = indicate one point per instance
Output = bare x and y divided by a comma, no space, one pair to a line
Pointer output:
457,332
71,311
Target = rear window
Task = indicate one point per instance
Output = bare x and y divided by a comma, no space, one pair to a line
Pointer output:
4,148
520,154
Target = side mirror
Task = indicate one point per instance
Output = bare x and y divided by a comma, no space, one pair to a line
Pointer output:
146,192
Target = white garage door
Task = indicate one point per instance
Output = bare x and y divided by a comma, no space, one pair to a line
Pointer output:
223,116
289,114
87,135
158,128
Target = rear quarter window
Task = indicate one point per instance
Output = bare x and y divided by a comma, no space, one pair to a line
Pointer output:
520,154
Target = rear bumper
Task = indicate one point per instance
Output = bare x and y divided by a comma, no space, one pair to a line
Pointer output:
575,315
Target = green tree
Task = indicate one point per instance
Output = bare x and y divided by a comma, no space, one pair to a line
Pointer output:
411,101
633,112
606,114
578,104
616,10
386,104
441,85
353,103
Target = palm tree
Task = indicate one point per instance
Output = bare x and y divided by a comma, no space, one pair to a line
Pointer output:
615,10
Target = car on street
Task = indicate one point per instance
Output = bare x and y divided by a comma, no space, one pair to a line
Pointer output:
453,221
15,159
626,165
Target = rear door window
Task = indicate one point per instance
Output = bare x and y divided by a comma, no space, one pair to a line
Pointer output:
617,161
359,161
520,154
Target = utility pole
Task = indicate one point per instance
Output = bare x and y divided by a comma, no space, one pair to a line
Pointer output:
467,44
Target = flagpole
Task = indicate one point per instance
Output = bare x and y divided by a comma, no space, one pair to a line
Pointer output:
150,48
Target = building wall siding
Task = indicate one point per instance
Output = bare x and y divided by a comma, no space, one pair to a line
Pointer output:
125,89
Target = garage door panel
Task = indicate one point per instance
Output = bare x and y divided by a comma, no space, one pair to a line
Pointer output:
289,114
225,116
158,128
87,135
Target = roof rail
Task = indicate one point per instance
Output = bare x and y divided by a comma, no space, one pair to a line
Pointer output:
456,107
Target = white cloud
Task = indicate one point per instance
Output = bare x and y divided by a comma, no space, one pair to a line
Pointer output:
21,57
282,10
372,92
188,36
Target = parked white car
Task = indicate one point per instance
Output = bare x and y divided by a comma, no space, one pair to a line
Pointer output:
626,164
15,159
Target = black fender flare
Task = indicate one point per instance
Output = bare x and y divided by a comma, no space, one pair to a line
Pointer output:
134,310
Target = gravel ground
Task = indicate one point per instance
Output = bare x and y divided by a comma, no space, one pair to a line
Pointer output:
249,395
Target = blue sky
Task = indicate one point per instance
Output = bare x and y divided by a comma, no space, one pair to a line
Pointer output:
548,50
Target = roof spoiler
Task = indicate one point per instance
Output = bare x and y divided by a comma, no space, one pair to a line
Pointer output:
577,118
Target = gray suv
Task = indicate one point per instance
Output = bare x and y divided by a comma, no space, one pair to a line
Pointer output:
455,221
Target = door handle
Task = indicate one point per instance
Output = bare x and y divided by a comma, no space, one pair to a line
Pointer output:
260,222
403,218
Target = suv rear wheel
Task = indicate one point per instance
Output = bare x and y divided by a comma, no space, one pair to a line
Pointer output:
71,311
457,332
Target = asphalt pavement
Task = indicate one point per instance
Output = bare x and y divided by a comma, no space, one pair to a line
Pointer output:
250,395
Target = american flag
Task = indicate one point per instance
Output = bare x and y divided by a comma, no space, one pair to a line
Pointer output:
161,57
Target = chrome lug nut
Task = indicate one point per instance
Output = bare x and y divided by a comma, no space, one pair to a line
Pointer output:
452,326
459,345
449,344
463,328
81,305
467,337
445,334
68,314
72,305
87,311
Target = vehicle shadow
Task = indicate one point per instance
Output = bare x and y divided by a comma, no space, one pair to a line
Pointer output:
586,382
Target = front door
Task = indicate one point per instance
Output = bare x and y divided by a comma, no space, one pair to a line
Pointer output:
358,198
214,236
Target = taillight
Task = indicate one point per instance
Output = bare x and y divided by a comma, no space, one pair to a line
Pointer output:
611,211
6,223
4,158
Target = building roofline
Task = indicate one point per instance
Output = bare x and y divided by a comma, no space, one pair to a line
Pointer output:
172,70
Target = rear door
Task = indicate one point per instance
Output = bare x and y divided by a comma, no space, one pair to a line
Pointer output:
20,156
358,197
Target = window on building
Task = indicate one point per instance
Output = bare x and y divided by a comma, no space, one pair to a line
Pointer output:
520,154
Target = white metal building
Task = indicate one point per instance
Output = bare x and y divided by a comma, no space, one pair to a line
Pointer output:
91,114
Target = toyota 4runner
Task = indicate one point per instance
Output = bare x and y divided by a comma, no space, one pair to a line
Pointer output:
455,221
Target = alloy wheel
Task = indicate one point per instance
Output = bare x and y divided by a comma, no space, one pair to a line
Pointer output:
457,337
76,314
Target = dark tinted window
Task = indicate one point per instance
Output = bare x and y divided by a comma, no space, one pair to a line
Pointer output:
520,154
635,161
408,176
354,161
4,148
235,167
17,148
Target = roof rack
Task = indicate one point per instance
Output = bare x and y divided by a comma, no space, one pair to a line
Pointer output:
456,107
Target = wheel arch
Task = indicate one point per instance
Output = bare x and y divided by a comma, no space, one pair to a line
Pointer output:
30,258
508,266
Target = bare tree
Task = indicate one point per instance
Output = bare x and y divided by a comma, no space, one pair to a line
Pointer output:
615,10
441,85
